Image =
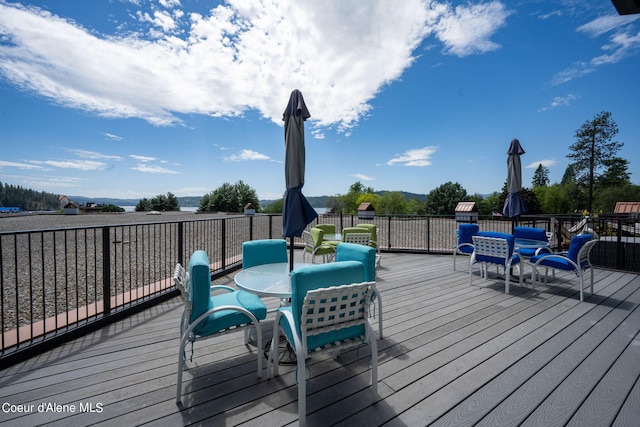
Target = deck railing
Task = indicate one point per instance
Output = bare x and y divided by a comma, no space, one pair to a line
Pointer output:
61,283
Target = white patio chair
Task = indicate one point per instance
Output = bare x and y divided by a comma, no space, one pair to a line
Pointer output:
497,249
329,312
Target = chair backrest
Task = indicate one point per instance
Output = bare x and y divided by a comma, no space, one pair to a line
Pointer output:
466,232
493,247
373,230
323,276
585,253
577,242
182,282
308,241
200,284
335,313
317,236
364,254
327,228
267,251
531,233
358,238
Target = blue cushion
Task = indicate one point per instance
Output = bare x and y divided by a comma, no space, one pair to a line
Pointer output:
364,254
467,248
494,260
322,276
577,242
466,232
267,251
532,233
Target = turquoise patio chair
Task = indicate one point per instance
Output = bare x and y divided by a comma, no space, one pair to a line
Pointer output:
266,251
328,312
206,316
367,256
576,260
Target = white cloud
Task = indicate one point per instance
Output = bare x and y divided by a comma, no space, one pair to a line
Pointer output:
246,155
363,177
142,158
112,137
144,167
339,54
416,157
467,29
93,155
85,165
624,42
5,164
546,163
605,24
561,101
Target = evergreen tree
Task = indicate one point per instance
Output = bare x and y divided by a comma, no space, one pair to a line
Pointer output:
594,146
540,176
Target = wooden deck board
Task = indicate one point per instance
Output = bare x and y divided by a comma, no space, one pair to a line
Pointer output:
451,355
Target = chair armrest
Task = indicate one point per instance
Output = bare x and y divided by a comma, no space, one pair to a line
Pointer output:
222,288
542,250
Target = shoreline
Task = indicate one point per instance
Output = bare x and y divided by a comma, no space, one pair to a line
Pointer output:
15,222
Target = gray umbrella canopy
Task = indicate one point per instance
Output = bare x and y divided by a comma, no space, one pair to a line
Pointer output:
297,212
513,204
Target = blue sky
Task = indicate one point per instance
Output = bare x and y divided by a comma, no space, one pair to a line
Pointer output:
134,98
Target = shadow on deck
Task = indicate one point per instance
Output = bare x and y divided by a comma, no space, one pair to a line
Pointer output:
452,355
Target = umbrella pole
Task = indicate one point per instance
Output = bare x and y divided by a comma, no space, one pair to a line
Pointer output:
291,254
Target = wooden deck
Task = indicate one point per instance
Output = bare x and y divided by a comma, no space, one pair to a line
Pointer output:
451,355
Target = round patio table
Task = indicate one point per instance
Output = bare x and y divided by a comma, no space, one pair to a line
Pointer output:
267,280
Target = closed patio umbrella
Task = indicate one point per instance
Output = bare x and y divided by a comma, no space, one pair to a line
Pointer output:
297,212
513,204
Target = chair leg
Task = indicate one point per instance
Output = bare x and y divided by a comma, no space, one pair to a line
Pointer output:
379,314
259,348
302,390
181,362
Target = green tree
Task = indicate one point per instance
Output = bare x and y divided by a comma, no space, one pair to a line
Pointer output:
443,200
112,208
594,146
554,199
540,176
615,175
349,201
393,203
161,202
275,207
144,205
229,198
334,204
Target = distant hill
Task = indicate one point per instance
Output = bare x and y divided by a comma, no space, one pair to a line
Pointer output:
321,201
187,201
